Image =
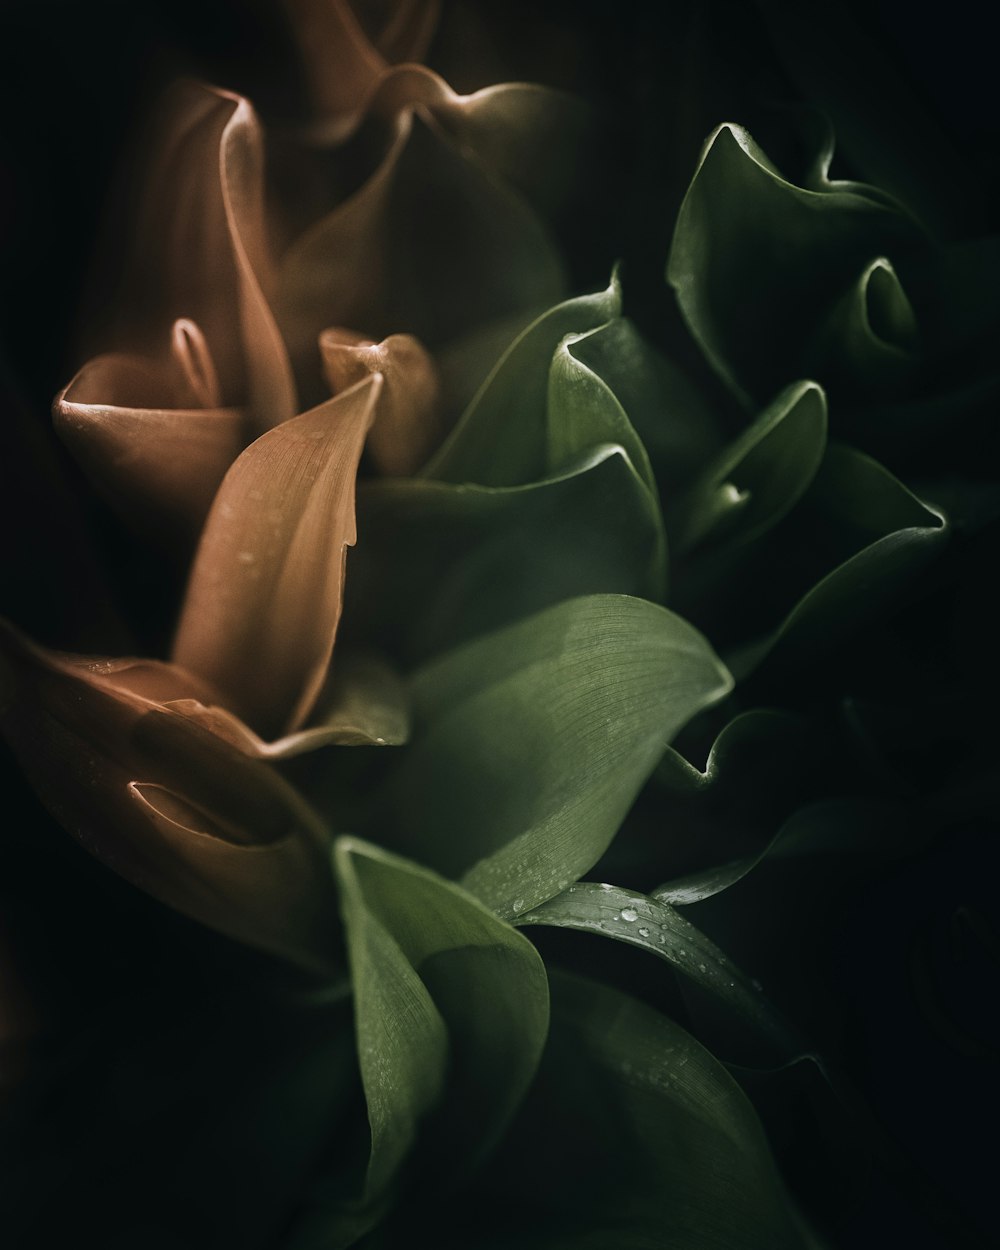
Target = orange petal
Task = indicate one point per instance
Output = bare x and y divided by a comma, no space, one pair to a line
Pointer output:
174,809
408,423
265,594
151,433
201,250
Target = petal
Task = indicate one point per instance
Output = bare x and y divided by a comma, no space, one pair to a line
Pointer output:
408,425
201,251
266,589
174,809
151,433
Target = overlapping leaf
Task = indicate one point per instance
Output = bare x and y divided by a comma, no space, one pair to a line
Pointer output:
653,925
634,1135
758,262
547,494
891,536
532,743
451,1011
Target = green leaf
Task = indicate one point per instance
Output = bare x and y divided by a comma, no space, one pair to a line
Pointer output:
829,827
633,1135
893,535
757,262
531,744
654,926
677,425
582,411
438,563
501,438
760,476
451,1007
870,336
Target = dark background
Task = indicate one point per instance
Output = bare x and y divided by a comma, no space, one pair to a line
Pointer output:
151,1039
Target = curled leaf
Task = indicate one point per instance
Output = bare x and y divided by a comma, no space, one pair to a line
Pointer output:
532,743
152,433
429,243
265,594
408,423
451,1009
888,535
200,250
654,926
170,806
442,563
501,439
760,476
758,262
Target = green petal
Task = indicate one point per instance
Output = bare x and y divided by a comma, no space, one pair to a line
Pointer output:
531,744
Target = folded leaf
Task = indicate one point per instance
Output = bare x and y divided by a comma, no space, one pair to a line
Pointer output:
170,806
429,244
364,704
633,1135
501,439
200,248
759,477
265,593
440,564
531,744
451,1011
152,434
893,536
655,927
408,424
757,262
869,340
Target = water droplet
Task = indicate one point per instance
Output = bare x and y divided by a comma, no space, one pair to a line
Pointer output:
643,932
682,951
518,904
629,913
702,968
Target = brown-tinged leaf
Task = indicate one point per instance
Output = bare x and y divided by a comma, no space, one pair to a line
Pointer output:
266,589
408,423
200,248
172,807
152,433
